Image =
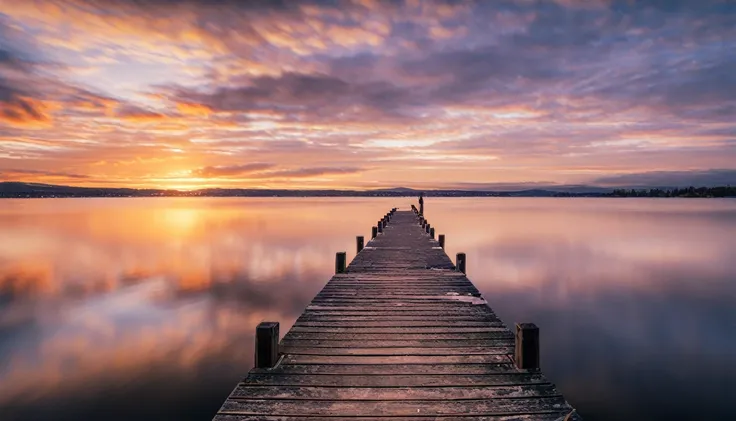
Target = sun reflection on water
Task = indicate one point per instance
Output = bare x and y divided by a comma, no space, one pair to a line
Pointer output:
119,298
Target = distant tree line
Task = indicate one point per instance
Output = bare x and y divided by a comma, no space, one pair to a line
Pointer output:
726,191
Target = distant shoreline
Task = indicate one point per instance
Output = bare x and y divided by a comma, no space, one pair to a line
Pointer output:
347,196
17,190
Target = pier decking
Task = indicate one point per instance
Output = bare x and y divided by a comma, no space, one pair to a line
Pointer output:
400,335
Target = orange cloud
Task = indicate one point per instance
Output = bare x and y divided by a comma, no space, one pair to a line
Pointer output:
233,170
428,91
25,112
189,108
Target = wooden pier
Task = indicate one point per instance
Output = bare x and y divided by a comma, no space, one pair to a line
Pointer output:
398,334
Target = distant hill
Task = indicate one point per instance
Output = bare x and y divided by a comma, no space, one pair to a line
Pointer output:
13,187
398,190
532,193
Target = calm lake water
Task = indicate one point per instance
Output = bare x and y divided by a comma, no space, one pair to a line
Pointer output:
144,308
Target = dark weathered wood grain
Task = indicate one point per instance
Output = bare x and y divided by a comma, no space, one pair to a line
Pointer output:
250,391
540,416
424,380
400,335
352,408
396,370
384,343
498,334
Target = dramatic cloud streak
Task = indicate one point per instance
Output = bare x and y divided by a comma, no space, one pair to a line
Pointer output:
193,93
673,178
231,170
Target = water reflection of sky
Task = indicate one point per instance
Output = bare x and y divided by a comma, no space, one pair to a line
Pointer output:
104,302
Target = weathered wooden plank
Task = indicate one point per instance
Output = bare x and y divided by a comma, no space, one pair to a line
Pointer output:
390,307
410,275
395,294
419,291
407,294
397,306
398,284
396,380
459,343
322,317
390,330
390,299
249,391
477,311
439,288
401,370
404,351
417,277
423,274
386,280
409,282
552,415
395,408
435,293
501,357
398,323
426,336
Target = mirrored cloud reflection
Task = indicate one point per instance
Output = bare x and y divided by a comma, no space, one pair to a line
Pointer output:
106,304
634,298
145,308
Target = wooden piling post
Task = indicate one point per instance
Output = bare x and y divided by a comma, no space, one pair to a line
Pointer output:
374,232
460,262
526,352
442,240
267,344
359,240
340,258
426,228
431,232
380,226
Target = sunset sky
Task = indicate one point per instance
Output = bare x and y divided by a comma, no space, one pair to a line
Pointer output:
367,94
